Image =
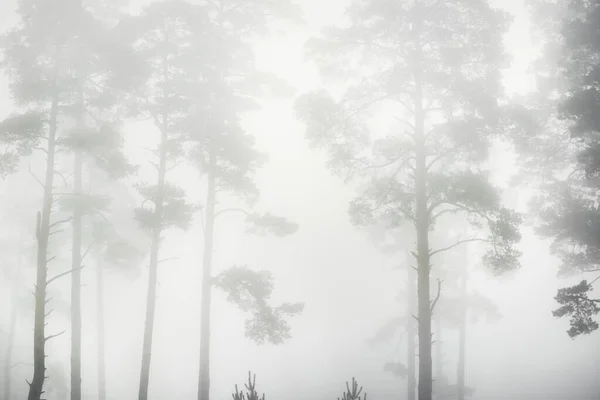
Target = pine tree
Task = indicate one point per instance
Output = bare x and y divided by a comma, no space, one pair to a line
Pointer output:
115,246
227,88
33,54
563,148
171,38
94,141
56,68
432,68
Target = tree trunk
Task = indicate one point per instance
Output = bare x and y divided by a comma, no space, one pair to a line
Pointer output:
422,227
153,269
76,248
10,346
36,387
439,354
462,337
204,372
76,283
101,333
411,380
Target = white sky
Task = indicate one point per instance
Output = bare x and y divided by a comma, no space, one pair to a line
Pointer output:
525,354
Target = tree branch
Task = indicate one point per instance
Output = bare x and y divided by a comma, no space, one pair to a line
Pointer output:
62,221
458,243
439,292
53,336
62,274
87,250
226,210
35,177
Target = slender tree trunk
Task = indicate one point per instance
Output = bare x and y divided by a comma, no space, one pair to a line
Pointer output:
155,244
76,247
462,337
153,270
204,374
76,283
36,387
10,346
439,347
411,333
101,333
422,227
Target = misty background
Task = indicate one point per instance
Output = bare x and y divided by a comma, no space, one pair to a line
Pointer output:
349,287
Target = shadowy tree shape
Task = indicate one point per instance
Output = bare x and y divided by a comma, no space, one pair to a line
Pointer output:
171,38
115,246
566,148
251,393
59,64
250,291
34,57
229,86
574,301
430,73
354,392
20,135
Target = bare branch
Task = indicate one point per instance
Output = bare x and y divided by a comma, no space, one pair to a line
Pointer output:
35,177
458,243
167,259
63,177
439,292
62,274
226,210
62,221
53,336
87,250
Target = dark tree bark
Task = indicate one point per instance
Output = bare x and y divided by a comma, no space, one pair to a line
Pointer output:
462,337
204,374
36,387
439,347
101,333
76,275
411,334
422,225
153,269
9,349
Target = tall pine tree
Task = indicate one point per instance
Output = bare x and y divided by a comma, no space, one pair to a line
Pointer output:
433,69
565,149
227,88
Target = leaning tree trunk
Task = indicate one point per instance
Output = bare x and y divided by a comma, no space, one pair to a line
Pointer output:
204,371
36,387
10,346
462,337
101,332
422,228
153,268
411,333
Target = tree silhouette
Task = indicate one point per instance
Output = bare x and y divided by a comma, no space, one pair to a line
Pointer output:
431,76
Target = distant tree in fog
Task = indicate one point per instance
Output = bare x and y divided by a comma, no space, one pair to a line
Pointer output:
431,71
166,38
565,150
34,56
228,87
